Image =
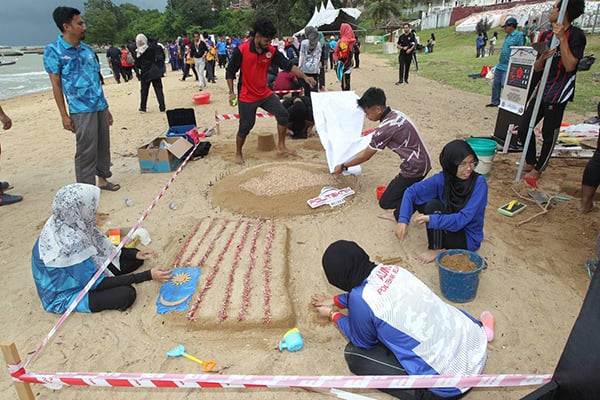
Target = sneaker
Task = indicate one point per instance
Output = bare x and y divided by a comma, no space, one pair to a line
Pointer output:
6,199
5,186
399,83
142,110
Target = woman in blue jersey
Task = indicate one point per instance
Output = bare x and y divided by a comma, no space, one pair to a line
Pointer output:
452,203
70,250
396,325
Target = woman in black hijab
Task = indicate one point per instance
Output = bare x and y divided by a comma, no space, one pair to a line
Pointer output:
396,325
452,203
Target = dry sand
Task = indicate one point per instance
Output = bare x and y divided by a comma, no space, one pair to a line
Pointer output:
534,283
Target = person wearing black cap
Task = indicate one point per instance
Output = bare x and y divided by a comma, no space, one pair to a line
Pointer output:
559,88
513,38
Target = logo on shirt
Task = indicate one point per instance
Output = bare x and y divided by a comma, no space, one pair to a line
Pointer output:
269,54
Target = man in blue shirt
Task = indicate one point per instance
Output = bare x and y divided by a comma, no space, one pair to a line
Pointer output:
74,72
513,38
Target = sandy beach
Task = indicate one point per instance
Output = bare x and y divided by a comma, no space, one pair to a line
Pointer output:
534,282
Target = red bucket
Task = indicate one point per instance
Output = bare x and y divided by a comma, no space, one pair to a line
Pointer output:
380,190
202,98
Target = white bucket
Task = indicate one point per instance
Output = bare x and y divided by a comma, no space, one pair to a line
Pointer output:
485,165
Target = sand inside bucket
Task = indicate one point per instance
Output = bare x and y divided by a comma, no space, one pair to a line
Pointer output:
458,262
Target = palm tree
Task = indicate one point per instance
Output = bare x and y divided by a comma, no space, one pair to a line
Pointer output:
381,10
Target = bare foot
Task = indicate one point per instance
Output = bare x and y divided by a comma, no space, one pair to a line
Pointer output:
427,256
239,159
586,208
387,216
284,151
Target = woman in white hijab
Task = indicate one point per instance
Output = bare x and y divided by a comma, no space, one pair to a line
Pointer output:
148,66
69,251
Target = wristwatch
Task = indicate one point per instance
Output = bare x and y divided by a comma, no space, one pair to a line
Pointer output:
344,168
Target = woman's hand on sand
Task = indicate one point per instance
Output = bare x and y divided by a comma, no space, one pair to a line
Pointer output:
146,255
322,300
161,274
421,218
325,311
401,230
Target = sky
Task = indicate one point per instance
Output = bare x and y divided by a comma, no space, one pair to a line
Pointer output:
30,23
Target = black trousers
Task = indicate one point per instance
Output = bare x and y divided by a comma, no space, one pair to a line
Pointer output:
392,197
404,60
591,173
307,88
552,115
440,239
381,361
158,90
116,293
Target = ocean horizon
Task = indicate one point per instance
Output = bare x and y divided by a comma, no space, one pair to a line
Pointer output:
27,75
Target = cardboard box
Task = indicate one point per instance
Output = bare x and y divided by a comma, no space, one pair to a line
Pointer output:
152,158
181,120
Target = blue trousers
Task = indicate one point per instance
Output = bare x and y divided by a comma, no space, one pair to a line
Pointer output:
497,85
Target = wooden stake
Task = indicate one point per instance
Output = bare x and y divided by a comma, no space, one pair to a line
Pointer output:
217,123
11,356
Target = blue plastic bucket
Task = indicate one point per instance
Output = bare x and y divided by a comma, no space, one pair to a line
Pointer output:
458,286
485,150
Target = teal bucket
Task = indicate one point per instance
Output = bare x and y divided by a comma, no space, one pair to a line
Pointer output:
484,150
458,286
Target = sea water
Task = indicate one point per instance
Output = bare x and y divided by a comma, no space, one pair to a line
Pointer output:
28,76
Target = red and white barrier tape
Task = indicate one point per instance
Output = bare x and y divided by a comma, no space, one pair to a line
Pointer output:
227,117
152,380
288,91
112,255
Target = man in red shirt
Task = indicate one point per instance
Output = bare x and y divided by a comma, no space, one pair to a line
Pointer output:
253,59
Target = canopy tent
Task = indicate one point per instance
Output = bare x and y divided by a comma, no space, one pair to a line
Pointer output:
329,19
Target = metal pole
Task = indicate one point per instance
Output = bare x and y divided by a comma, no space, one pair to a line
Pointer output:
596,18
540,93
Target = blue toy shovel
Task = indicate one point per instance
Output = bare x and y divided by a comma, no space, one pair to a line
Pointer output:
180,351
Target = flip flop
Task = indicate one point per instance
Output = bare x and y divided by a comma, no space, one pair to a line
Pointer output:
112,187
487,320
590,267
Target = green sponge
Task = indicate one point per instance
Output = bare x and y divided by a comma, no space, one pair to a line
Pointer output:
511,208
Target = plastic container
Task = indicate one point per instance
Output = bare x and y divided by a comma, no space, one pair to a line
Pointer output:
459,286
485,150
202,98
380,190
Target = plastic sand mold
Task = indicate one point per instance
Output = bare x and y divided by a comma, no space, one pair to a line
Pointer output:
511,208
176,294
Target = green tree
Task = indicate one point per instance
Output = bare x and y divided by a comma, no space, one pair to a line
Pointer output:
378,11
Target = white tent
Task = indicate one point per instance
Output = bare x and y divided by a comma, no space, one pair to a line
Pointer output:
329,19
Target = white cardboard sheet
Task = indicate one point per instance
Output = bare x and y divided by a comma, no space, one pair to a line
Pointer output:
339,122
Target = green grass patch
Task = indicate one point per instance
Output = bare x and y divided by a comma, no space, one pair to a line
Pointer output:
454,58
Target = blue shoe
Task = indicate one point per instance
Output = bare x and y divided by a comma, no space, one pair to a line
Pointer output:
6,199
5,186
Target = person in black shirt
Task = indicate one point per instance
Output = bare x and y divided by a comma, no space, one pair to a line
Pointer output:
406,44
559,88
113,57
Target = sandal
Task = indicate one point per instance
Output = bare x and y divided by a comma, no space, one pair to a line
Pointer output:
5,186
112,187
590,267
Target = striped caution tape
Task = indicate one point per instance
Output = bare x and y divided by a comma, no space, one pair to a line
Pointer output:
151,380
